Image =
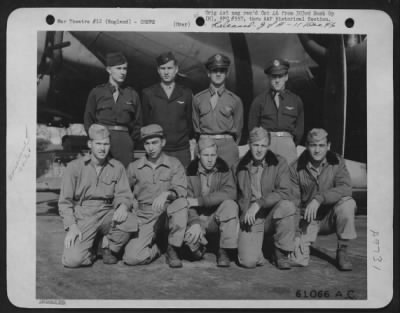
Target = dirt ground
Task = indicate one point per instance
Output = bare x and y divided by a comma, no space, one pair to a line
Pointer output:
201,280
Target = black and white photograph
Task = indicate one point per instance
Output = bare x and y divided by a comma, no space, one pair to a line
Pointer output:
217,165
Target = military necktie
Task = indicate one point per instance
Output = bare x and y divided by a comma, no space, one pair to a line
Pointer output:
276,99
214,100
115,94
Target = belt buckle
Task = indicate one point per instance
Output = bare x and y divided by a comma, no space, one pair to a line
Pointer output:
118,128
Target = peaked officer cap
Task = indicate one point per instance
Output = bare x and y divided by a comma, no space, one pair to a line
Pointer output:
218,61
277,67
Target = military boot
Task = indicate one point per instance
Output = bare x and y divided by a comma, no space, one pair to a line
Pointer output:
197,253
342,259
172,257
223,258
109,256
281,259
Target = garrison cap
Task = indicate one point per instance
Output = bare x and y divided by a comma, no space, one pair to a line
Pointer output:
277,67
98,132
205,143
316,134
218,61
115,58
259,133
151,131
165,58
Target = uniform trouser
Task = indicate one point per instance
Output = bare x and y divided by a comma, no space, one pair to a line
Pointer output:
338,218
280,221
284,146
228,150
224,220
80,254
143,249
182,155
121,146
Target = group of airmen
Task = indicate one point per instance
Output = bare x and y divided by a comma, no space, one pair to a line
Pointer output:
118,208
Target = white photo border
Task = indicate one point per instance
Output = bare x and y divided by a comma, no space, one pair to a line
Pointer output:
23,25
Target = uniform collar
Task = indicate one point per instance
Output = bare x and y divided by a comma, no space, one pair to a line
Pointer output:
317,169
247,160
331,159
203,171
219,90
168,87
87,159
176,92
282,93
162,161
193,167
112,87
255,163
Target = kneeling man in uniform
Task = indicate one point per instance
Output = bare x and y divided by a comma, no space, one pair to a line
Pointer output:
322,189
159,187
264,200
95,199
211,195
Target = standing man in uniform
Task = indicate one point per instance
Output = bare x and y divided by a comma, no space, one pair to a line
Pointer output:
117,107
169,105
264,194
95,199
159,187
211,195
218,112
322,190
279,111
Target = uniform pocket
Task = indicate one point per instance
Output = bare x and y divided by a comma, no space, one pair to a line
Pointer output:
226,110
128,106
108,185
104,106
268,113
204,108
165,180
290,110
164,177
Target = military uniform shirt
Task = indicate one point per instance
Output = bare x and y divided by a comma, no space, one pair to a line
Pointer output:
255,178
316,171
205,179
148,183
81,182
225,118
101,108
289,117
